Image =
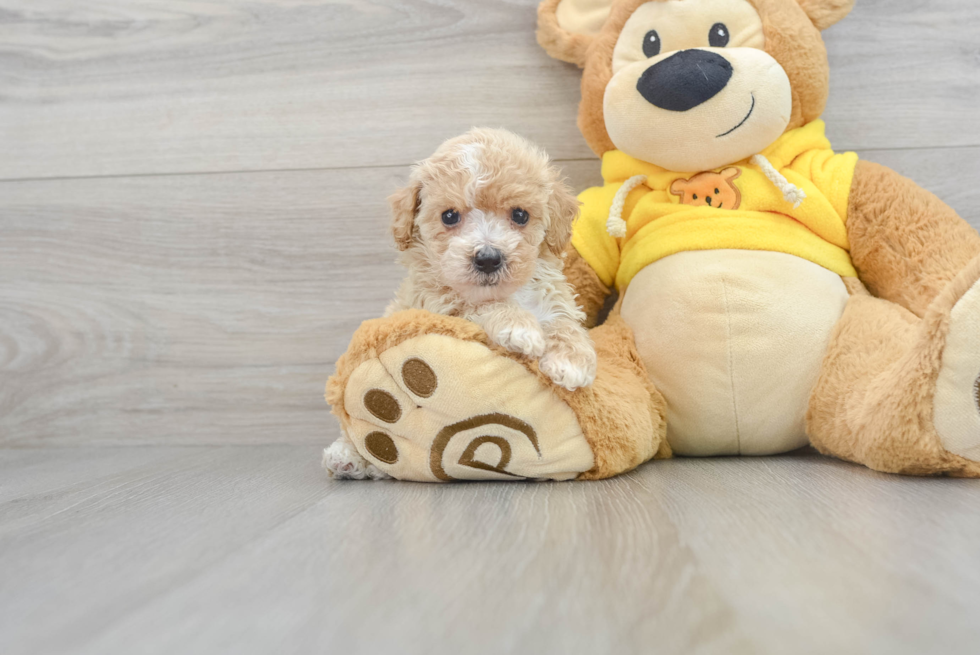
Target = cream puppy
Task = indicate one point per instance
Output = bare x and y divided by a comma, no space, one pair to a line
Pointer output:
482,226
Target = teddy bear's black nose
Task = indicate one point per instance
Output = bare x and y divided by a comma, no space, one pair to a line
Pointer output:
488,260
685,80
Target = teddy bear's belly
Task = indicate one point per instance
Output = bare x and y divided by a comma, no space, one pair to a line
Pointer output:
734,340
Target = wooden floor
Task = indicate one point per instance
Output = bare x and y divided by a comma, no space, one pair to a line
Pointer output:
192,223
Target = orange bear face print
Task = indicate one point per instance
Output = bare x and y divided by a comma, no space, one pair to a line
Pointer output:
710,189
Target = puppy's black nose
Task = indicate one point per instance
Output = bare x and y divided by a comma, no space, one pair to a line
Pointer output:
685,80
488,260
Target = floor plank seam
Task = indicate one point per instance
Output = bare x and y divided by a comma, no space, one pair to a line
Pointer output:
323,169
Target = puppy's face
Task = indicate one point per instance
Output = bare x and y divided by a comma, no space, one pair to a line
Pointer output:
480,213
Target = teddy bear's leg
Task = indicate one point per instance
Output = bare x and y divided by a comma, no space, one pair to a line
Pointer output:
590,293
906,243
899,393
426,397
623,415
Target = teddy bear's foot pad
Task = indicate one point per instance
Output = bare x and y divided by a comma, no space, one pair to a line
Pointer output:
436,409
956,407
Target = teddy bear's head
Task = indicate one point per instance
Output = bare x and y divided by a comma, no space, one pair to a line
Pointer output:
693,85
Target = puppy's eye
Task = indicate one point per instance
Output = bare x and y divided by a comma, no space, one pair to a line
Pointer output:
651,44
519,216
719,37
450,217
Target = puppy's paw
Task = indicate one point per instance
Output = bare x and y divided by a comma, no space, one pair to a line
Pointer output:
525,339
570,366
342,461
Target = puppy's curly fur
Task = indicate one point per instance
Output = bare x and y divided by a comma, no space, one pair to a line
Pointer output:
492,192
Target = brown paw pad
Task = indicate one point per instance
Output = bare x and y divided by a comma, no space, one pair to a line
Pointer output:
419,378
382,405
381,447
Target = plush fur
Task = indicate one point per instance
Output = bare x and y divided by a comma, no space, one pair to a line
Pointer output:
796,44
591,292
558,43
914,255
874,399
911,260
375,336
621,415
791,38
824,13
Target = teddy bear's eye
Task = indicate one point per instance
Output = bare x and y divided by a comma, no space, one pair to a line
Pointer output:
717,192
450,217
519,216
694,196
651,44
719,37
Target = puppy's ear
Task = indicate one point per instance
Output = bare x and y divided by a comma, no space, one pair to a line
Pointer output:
566,27
562,210
404,208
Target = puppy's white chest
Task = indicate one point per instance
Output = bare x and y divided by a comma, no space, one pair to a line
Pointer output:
546,294
535,300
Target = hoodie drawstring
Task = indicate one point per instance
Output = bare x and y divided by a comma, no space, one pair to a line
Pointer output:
791,192
616,226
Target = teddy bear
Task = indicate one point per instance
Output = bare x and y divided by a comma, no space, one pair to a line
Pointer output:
767,293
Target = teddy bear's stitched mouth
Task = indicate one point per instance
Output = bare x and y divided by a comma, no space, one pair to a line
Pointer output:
751,109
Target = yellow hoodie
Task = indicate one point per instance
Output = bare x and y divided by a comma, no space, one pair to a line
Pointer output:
675,212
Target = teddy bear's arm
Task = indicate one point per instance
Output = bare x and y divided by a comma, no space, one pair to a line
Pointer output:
591,292
906,244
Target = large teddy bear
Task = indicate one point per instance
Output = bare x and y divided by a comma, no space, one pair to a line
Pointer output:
771,293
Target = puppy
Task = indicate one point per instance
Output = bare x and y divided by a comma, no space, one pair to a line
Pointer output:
481,227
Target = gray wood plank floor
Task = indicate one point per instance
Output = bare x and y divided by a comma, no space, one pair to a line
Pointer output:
192,223
166,549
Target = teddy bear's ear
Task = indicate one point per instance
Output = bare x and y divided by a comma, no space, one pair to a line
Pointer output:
677,188
731,174
824,13
404,209
566,27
